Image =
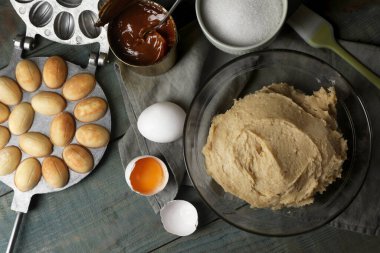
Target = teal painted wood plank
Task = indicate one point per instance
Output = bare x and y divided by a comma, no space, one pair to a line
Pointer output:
10,26
102,215
4,189
98,215
107,78
222,237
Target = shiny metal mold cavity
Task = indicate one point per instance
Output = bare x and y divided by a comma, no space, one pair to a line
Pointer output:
75,27
24,1
70,3
64,25
41,14
87,20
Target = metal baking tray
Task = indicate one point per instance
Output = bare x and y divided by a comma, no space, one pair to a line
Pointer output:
41,124
64,21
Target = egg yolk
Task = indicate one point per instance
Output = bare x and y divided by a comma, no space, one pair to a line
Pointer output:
147,175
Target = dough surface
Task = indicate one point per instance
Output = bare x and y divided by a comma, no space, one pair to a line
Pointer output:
277,147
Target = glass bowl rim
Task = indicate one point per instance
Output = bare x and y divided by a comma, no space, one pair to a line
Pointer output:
302,54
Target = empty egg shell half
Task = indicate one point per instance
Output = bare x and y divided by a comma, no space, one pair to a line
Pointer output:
146,180
179,217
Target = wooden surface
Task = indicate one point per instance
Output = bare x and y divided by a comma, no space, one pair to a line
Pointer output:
101,215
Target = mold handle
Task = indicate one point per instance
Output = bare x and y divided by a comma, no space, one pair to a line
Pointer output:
15,230
21,202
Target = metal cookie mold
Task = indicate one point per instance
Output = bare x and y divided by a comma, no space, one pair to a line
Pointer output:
87,20
24,1
41,124
70,3
64,25
40,14
63,21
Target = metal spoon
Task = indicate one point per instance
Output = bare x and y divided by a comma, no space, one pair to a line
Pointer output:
144,32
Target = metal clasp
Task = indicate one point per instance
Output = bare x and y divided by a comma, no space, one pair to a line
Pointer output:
21,43
97,59
28,43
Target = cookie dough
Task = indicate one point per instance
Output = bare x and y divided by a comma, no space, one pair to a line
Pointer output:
277,147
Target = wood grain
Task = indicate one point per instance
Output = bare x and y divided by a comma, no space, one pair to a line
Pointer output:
98,215
221,237
102,215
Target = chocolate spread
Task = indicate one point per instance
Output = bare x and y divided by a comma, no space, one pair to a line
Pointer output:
133,38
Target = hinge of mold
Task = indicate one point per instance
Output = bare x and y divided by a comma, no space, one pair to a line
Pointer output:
97,59
21,42
28,43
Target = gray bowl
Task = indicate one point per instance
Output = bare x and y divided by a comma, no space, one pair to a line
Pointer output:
233,49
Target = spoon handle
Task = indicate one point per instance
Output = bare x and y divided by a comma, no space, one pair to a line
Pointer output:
174,6
372,77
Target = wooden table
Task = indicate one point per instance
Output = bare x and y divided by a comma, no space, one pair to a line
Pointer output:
101,215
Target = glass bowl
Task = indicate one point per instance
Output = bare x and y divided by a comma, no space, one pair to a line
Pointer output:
245,75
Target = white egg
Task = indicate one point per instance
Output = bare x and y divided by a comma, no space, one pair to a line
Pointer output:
132,165
162,122
179,217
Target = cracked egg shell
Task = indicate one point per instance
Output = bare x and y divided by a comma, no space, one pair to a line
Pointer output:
146,175
179,217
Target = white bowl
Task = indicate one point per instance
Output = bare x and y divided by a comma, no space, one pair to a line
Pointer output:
238,50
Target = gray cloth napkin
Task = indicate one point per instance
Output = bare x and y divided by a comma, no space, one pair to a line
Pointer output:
179,86
197,60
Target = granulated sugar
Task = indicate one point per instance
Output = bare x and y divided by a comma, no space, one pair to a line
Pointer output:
242,22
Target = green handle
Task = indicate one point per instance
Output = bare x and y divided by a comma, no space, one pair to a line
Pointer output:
355,63
323,36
